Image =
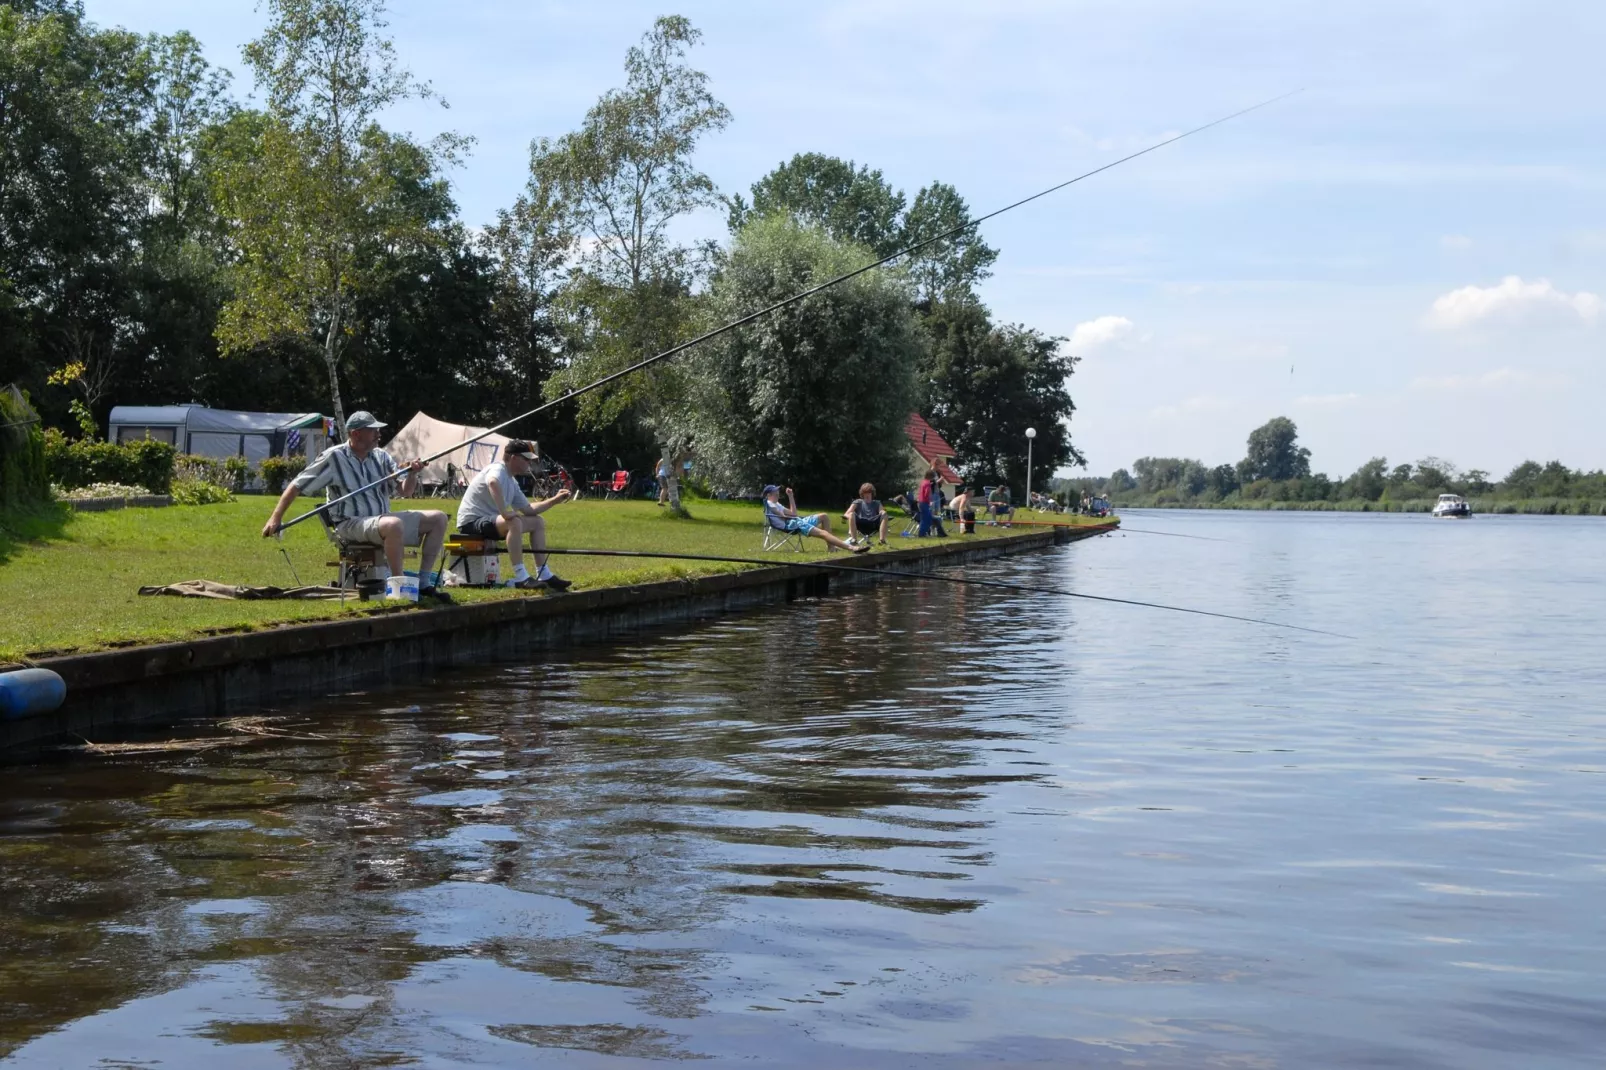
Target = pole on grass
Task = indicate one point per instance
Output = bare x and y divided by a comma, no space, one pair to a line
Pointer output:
1031,433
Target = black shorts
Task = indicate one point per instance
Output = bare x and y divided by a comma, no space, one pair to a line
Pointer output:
866,527
481,528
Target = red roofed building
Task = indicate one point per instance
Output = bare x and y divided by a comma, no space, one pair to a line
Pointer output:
931,450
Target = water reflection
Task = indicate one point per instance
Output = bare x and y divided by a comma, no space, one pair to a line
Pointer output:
581,820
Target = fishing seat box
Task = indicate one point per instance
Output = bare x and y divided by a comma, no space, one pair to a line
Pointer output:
475,562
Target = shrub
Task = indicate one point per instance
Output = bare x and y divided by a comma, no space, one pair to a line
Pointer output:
277,471
78,464
239,471
23,478
200,492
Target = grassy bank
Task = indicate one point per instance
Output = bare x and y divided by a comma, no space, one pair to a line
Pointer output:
1527,507
69,581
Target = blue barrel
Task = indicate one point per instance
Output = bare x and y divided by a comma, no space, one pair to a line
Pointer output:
30,692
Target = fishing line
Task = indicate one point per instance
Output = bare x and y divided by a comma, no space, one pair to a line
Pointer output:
844,566
287,561
795,298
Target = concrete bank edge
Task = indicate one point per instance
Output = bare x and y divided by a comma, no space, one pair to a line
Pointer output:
160,682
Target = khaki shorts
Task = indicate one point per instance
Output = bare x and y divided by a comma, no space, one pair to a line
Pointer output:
366,528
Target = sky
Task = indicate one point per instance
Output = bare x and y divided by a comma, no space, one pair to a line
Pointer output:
1408,258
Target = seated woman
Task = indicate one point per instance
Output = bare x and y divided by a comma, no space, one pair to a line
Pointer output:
866,517
816,524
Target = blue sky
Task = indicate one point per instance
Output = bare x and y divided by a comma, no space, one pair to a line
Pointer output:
1408,259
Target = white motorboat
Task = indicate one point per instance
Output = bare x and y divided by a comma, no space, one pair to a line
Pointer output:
1453,506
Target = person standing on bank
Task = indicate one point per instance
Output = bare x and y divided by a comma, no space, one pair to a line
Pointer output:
495,508
367,517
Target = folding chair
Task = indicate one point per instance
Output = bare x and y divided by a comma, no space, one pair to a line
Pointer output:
360,563
776,535
619,485
357,562
911,514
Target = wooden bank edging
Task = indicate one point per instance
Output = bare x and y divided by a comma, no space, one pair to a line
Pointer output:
304,662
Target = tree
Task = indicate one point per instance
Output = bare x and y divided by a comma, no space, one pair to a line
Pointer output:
313,204
1554,481
1369,481
74,145
1435,474
816,395
190,99
986,384
1522,480
1274,453
626,176
947,270
1222,481
852,204
529,247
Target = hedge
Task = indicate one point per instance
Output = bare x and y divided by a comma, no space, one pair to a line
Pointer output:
23,480
146,463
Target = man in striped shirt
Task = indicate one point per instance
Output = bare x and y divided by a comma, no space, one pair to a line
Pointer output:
367,516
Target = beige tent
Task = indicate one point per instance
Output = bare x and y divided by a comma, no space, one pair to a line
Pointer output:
425,435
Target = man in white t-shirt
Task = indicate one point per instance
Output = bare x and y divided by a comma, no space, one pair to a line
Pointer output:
494,507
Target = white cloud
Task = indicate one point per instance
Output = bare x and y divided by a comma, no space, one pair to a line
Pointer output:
1201,403
1512,300
1100,332
1455,242
1508,378
1326,401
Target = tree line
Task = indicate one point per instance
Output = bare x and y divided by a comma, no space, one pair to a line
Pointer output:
1276,472
163,241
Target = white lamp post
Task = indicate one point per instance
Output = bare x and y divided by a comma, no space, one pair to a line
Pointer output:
1031,433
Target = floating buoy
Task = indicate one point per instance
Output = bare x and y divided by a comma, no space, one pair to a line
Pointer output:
30,692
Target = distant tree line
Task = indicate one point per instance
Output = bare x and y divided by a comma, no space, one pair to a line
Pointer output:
1275,473
163,241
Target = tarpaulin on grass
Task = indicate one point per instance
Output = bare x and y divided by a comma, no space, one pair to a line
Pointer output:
214,589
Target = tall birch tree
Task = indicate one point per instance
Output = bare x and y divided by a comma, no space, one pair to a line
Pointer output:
313,207
627,175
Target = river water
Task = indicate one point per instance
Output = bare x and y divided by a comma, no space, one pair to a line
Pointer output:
922,826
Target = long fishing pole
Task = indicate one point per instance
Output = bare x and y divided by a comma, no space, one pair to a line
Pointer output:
794,299
1112,531
846,566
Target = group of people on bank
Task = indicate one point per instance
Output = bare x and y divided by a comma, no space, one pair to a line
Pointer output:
357,477
357,474
866,517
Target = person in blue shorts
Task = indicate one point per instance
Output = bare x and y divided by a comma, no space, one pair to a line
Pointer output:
815,524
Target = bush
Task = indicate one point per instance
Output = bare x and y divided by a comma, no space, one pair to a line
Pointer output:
78,464
23,478
200,492
239,471
277,471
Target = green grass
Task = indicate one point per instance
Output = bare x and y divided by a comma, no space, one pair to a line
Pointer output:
69,581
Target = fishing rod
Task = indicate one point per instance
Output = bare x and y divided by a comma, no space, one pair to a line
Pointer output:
845,566
794,299
1112,531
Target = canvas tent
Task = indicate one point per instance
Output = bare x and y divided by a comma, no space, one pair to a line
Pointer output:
197,429
424,435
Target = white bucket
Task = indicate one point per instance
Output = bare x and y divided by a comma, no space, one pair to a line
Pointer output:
401,588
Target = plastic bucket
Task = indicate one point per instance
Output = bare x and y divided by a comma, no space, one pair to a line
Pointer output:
401,588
